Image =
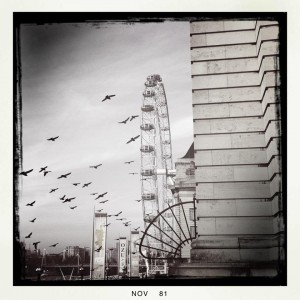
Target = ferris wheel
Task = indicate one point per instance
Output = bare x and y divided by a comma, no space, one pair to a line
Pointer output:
156,167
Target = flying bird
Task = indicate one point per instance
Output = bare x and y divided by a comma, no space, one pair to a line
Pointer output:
68,199
64,175
137,228
86,184
98,250
26,172
35,245
99,210
43,169
133,117
129,162
109,216
121,219
30,204
54,245
133,173
73,207
107,225
93,194
126,223
132,139
46,172
124,122
101,195
28,236
32,221
107,97
103,201
53,190
118,214
116,239
75,184
95,167
138,200
63,197
53,138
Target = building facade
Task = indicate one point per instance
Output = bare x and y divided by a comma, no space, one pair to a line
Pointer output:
237,134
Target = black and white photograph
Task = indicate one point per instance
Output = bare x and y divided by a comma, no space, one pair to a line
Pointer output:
150,149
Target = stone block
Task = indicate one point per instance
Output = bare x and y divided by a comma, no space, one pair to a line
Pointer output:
201,126
211,111
236,125
208,53
242,65
204,191
212,142
199,68
206,226
238,25
225,38
274,166
245,109
240,156
276,185
245,140
200,97
243,79
215,255
253,207
235,94
198,40
216,208
270,79
268,97
218,66
267,48
273,148
240,225
256,255
273,130
233,190
212,242
206,26
211,174
235,51
250,173
209,81
203,158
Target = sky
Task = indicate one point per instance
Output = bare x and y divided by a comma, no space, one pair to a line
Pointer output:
67,69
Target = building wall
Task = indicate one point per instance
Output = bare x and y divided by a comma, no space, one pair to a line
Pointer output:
237,128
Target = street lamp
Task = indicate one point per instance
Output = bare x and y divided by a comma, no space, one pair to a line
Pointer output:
81,269
39,273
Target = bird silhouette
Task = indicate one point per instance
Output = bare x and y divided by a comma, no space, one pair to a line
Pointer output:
43,169
68,199
75,184
118,214
73,207
99,210
138,200
121,219
101,195
95,167
64,175
137,228
26,172
109,216
133,117
35,245
116,239
28,236
53,190
98,250
54,245
93,194
32,221
103,201
129,162
127,223
46,172
86,184
124,122
132,139
107,97
53,138
63,197
107,225
30,204
133,173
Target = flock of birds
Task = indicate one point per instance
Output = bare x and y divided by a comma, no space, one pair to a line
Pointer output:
66,199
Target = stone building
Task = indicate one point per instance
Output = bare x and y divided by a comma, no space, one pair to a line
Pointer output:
237,130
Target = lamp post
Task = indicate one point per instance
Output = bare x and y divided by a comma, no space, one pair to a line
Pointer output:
39,273
81,269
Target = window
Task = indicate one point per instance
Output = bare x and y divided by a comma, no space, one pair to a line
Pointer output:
192,214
